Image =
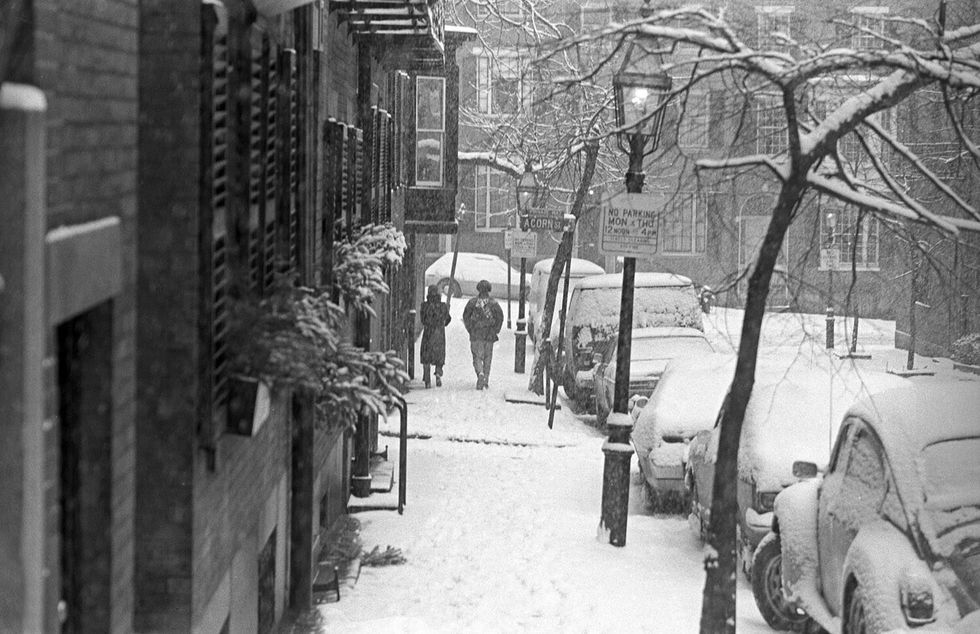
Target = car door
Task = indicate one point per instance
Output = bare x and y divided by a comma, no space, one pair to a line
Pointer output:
849,498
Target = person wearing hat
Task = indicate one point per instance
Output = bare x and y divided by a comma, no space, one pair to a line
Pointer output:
435,317
482,318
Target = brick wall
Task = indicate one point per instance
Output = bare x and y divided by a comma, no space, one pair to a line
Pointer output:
86,62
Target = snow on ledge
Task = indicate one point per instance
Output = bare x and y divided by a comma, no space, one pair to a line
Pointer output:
22,97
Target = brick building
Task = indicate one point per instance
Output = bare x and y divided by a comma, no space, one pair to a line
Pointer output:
712,224
163,160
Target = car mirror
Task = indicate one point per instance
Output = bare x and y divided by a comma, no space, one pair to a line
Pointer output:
803,469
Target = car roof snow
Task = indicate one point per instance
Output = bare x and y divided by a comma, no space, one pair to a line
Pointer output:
615,280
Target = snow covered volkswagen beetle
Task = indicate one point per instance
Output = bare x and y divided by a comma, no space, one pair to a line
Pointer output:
889,538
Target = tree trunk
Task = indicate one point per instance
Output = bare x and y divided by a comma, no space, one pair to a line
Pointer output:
564,252
718,600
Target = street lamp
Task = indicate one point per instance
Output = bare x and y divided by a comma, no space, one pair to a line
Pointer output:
530,196
641,91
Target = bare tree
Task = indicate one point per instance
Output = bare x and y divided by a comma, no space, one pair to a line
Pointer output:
859,85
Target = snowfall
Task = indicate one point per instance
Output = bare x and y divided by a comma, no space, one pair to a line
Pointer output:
500,523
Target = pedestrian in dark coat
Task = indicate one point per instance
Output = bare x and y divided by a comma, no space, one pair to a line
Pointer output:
482,318
435,317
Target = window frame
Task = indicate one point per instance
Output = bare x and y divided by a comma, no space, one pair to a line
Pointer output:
765,18
441,132
875,16
762,101
696,221
490,73
846,218
698,125
485,172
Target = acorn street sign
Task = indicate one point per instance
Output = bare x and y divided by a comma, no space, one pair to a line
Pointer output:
630,223
542,222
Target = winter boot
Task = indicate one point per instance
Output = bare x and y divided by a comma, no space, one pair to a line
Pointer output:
425,376
438,381
479,381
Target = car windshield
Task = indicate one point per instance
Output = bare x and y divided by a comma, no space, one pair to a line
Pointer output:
667,347
950,473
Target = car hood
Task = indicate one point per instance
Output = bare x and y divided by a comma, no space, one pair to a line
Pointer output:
647,368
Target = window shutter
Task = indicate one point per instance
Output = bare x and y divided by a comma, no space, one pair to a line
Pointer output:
214,182
271,174
255,160
288,161
355,141
334,160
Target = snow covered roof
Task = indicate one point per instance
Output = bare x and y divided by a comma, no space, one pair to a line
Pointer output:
615,280
920,415
579,267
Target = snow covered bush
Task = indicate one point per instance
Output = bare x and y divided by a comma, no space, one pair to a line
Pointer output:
361,263
966,349
292,338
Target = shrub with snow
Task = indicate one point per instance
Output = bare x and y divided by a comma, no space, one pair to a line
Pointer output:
966,349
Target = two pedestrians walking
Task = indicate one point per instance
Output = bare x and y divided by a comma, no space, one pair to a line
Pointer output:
483,318
434,316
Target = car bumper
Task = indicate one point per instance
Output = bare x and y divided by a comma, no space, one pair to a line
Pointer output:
755,527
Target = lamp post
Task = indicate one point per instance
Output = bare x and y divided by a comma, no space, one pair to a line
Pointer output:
641,90
834,257
530,195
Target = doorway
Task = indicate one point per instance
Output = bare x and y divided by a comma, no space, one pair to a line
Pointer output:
84,348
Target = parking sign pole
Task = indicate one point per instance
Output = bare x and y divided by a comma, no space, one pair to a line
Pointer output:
520,337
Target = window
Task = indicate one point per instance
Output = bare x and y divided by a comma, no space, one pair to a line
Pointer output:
684,225
595,17
770,127
510,8
430,126
500,86
863,488
869,27
854,233
494,199
850,148
770,21
695,117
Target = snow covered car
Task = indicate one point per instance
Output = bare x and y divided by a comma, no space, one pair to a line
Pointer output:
889,538
793,415
650,351
470,269
539,286
686,401
659,299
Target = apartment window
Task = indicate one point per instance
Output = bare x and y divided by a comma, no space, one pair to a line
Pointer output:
510,8
773,20
684,226
695,117
850,148
869,23
494,199
430,126
500,87
595,17
854,233
770,126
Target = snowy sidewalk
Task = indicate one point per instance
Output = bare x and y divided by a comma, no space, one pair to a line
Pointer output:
499,530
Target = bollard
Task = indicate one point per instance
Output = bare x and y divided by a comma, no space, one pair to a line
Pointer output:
830,328
520,346
616,479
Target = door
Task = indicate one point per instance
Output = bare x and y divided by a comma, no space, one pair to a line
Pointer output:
752,231
849,499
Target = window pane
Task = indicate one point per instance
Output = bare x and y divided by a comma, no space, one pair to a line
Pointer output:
692,130
430,113
770,128
428,158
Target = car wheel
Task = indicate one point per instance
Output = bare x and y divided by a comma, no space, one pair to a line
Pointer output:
856,616
767,588
444,285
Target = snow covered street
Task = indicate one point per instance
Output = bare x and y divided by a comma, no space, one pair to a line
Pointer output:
499,532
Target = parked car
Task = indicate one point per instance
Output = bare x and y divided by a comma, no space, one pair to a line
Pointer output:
650,351
793,415
539,286
659,299
686,401
888,539
470,269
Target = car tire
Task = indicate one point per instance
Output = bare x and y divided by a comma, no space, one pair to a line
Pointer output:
444,285
855,613
767,589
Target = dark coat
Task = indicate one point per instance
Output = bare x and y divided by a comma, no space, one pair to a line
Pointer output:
483,318
434,316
